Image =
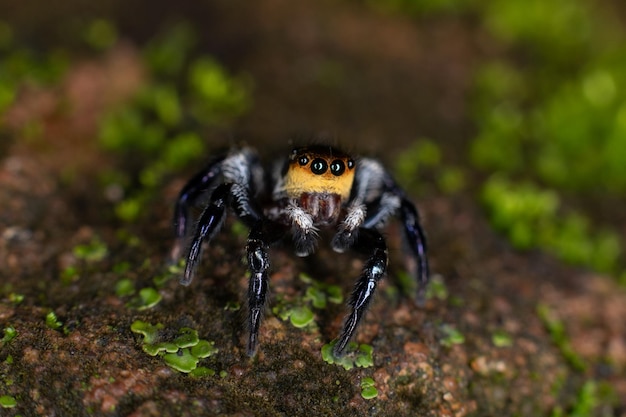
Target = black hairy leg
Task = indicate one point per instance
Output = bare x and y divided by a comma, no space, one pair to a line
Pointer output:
209,224
372,243
416,240
262,235
194,188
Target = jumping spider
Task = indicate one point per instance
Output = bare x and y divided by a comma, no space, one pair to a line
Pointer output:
314,187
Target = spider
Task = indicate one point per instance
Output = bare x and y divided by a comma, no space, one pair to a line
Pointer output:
314,187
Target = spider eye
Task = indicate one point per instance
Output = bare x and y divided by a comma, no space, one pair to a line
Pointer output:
337,167
350,163
319,166
303,160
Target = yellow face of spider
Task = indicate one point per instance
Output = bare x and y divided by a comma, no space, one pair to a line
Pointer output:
319,169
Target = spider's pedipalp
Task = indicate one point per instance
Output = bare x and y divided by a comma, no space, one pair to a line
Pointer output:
303,229
349,227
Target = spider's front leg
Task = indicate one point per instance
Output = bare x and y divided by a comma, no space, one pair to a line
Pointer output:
195,187
262,235
372,243
209,224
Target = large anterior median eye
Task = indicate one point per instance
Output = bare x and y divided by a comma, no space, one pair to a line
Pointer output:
337,167
319,166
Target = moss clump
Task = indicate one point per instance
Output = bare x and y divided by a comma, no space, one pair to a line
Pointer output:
300,311
356,355
52,321
557,332
9,334
94,251
451,336
368,388
182,352
7,401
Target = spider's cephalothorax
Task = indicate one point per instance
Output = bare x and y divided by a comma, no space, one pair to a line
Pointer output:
314,187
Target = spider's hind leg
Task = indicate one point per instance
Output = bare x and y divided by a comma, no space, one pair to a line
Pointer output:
416,239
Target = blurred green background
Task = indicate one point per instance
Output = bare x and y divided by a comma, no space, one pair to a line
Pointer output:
538,134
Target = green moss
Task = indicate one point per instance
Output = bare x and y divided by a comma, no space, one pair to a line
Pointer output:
300,311
531,217
187,337
422,153
556,329
100,34
182,360
52,321
316,296
94,251
587,400
129,209
203,349
451,336
500,338
355,355
437,288
301,316
232,306
368,388
147,298
182,351
124,287
15,298
203,371
9,334
7,401
69,274
168,52
150,332
217,96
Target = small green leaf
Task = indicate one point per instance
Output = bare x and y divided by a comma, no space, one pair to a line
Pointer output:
52,321
204,349
148,297
451,336
188,337
317,297
9,334
149,331
16,298
201,371
182,360
437,288
7,401
368,388
369,392
124,287
500,338
301,316
94,251
355,355
334,294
